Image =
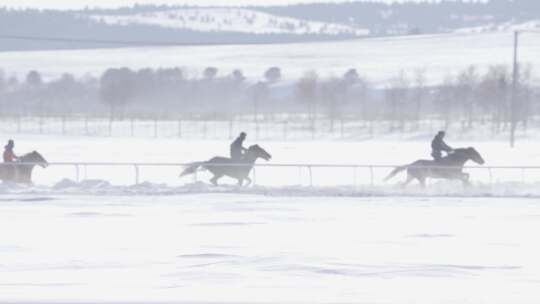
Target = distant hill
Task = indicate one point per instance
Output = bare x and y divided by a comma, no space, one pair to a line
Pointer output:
150,24
230,20
415,17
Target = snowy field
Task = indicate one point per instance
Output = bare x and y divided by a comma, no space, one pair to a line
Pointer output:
377,59
260,249
171,240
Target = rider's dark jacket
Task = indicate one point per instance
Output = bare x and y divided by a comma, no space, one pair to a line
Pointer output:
437,146
237,148
9,156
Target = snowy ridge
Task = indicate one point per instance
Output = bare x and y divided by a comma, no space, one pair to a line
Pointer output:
230,20
532,25
442,189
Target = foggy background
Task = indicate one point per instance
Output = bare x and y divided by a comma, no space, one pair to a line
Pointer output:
340,96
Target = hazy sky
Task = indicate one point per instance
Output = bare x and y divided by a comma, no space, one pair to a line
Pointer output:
69,4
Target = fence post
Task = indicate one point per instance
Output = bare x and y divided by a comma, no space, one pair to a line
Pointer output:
86,125
371,176
355,182
40,123
63,125
77,174
110,126
18,123
310,176
136,174
179,128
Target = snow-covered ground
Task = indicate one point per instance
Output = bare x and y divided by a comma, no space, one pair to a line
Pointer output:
230,20
167,240
258,249
378,59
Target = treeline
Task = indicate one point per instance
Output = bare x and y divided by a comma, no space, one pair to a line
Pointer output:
468,98
413,17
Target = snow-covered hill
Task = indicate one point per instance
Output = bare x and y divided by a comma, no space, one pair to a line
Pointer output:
378,59
532,25
230,20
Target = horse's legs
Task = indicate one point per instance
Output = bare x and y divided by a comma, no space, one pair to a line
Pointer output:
248,181
422,181
465,179
240,182
410,178
214,179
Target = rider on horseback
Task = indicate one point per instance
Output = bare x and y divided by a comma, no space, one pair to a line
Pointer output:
9,155
438,145
237,148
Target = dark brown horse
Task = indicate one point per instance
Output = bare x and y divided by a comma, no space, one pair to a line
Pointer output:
449,167
223,166
21,170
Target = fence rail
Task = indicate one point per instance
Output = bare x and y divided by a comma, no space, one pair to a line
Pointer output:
275,126
78,166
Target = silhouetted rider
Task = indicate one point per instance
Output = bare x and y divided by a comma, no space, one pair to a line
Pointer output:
9,155
237,148
438,145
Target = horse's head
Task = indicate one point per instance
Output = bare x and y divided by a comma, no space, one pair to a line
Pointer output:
259,152
34,157
474,155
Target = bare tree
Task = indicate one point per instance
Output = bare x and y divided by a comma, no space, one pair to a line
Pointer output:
466,83
332,98
445,100
419,94
272,75
306,90
116,89
210,73
397,95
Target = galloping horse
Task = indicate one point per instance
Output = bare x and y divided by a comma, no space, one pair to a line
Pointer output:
21,170
449,167
221,166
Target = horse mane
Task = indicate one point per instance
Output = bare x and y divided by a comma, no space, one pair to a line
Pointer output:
29,154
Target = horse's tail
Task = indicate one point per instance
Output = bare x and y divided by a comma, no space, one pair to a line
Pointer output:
191,168
395,172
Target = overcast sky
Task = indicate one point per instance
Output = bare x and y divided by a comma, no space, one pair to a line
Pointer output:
73,4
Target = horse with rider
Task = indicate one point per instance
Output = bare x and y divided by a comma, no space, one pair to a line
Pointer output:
238,166
18,169
447,167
